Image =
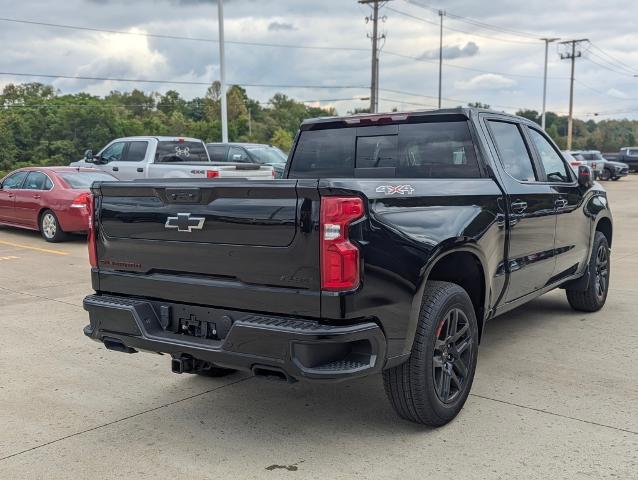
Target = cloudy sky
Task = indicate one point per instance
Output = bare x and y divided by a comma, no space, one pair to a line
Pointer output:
489,53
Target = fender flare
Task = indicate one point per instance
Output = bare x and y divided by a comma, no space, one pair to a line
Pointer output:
448,247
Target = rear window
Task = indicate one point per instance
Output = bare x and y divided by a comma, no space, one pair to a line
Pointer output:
421,150
217,153
168,152
85,179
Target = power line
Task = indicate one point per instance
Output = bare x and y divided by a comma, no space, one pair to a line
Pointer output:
613,59
177,37
421,19
177,82
477,23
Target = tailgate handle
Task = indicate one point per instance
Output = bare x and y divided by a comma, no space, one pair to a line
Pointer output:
183,195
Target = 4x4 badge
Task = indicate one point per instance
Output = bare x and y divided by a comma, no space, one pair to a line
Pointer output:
183,222
395,189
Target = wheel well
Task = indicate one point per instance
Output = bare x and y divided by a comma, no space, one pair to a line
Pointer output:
464,269
40,213
604,226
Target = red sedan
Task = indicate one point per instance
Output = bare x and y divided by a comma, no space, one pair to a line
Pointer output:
52,200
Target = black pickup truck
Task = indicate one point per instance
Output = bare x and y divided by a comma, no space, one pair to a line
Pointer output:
390,242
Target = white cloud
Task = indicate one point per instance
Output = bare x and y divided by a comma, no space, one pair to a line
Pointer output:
614,92
485,81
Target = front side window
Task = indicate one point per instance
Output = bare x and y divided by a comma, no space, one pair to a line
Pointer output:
512,151
14,181
113,153
632,152
555,168
136,151
36,181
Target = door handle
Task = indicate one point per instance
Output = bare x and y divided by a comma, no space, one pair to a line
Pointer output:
561,203
518,206
37,197
140,169
116,169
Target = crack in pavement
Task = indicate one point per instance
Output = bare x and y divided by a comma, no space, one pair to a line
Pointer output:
41,297
540,410
119,420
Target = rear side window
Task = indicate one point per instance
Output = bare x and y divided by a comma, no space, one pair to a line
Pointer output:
217,153
420,150
236,154
170,152
136,151
512,151
632,152
36,181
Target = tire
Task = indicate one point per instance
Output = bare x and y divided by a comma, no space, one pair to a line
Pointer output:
50,228
411,387
615,179
593,298
606,175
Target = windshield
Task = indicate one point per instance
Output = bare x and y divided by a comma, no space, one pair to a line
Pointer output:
180,151
268,155
85,179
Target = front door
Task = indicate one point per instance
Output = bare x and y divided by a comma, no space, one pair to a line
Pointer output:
29,201
530,205
131,164
571,244
10,186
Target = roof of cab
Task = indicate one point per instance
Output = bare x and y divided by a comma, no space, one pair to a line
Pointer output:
366,118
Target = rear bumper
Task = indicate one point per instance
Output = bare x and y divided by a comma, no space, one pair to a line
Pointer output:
300,349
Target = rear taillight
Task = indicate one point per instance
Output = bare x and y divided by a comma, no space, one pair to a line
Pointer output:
576,164
81,201
212,173
90,206
339,257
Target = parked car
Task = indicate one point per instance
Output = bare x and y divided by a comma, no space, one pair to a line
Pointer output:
576,161
255,153
610,170
628,155
361,261
52,200
134,158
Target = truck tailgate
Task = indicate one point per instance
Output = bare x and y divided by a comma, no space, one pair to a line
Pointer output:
223,243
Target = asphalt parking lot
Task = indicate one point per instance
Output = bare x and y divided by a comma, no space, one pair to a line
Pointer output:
555,394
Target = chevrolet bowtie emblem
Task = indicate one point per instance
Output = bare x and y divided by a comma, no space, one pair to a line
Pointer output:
183,222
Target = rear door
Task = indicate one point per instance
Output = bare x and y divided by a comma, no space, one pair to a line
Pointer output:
530,202
10,187
223,243
29,201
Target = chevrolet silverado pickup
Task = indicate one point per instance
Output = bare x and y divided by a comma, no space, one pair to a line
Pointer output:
386,248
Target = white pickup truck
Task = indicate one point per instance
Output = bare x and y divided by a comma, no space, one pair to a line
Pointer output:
131,158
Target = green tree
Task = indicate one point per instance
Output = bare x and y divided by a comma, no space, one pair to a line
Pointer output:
282,139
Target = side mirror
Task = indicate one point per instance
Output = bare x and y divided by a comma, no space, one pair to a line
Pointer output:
88,156
585,177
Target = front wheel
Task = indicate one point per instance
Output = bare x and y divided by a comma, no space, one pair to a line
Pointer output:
432,386
50,228
605,175
594,296
615,179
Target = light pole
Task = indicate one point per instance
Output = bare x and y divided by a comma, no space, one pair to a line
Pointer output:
547,42
222,70
441,14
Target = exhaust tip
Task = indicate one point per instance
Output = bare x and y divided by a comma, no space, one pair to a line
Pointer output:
117,345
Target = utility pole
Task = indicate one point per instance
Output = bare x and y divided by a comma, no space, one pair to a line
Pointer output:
571,55
547,42
441,14
374,80
222,69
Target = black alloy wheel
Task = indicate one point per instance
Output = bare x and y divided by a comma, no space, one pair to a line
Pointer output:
452,355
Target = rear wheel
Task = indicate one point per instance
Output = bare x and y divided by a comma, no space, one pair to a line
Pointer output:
615,179
594,296
50,228
432,386
606,175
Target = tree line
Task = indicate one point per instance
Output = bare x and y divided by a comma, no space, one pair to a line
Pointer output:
41,126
